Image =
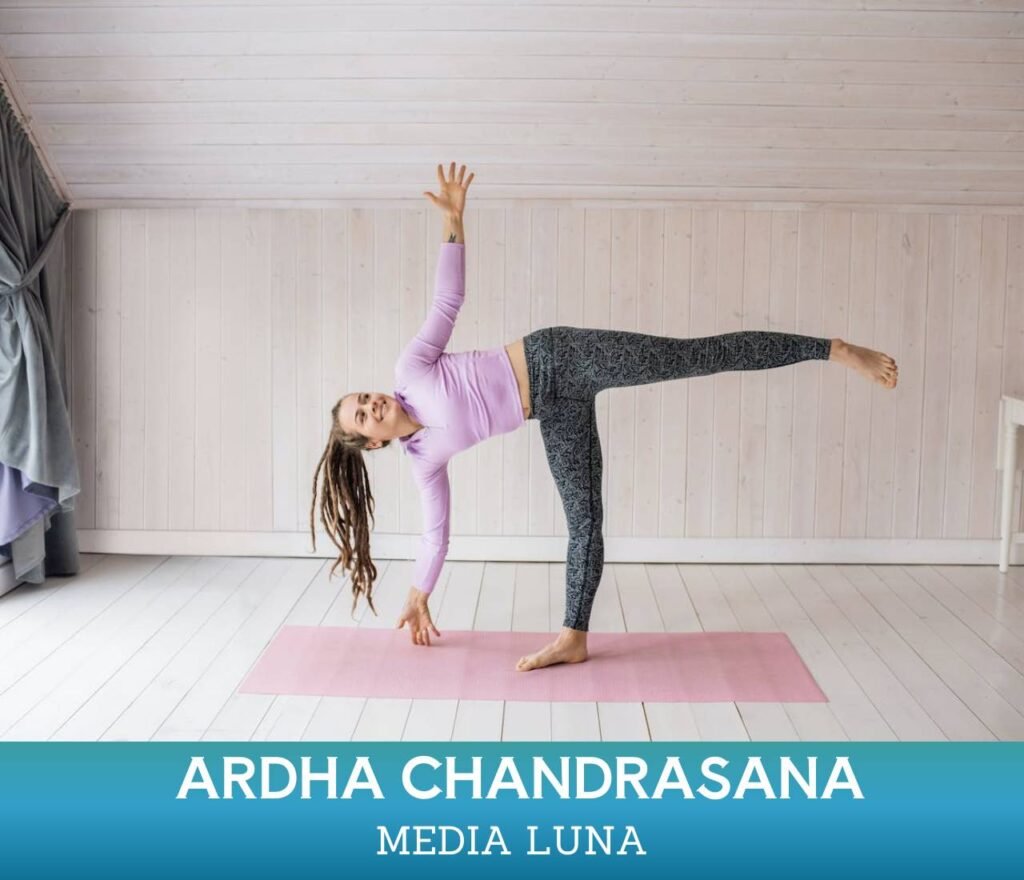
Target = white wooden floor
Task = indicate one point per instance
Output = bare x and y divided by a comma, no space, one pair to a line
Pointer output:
147,647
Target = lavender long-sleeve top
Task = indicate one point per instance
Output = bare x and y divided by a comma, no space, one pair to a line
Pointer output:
460,399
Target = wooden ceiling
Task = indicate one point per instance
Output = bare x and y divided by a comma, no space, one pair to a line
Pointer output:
177,102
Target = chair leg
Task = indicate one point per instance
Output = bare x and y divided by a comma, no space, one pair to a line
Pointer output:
1009,478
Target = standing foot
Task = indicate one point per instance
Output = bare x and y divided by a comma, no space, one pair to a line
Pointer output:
569,647
874,365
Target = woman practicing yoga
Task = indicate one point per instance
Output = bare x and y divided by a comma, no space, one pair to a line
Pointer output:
445,403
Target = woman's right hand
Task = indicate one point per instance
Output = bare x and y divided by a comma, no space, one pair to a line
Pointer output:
417,615
452,199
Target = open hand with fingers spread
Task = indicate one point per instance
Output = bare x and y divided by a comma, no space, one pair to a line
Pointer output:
417,615
452,199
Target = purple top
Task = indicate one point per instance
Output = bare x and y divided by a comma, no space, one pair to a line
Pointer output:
460,399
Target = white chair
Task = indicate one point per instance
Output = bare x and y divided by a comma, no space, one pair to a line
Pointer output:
1009,458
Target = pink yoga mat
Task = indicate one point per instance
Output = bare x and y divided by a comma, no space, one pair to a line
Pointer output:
476,665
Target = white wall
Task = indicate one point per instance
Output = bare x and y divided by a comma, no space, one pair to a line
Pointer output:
209,345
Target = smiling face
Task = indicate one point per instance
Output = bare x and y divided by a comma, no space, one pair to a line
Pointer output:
376,416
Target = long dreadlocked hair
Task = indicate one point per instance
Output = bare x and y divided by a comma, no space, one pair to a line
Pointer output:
346,507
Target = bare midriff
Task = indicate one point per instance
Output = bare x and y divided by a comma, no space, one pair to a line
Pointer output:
517,355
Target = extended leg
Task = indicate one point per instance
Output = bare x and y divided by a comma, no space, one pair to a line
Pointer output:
590,360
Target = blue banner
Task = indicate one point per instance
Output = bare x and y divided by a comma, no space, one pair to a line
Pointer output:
426,809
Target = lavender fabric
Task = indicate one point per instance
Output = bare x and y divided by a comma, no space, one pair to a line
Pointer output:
25,505
460,399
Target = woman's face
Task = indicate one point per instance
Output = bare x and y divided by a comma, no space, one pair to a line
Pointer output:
374,415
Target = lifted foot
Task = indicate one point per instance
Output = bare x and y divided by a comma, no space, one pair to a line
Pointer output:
874,365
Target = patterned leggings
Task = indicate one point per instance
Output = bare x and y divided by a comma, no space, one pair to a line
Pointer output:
568,366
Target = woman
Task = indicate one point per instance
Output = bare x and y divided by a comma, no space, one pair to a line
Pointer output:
445,403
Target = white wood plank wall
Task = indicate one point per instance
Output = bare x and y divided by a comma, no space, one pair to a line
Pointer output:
852,103
209,345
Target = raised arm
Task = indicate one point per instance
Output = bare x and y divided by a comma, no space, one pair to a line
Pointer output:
449,293
453,233
450,283
451,200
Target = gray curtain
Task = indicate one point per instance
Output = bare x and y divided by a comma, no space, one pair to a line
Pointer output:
38,471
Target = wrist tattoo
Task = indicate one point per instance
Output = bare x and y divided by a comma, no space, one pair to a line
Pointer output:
451,238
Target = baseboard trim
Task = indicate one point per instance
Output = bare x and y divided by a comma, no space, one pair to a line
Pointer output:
544,548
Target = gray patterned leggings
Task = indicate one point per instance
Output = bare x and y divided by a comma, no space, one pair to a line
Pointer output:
568,366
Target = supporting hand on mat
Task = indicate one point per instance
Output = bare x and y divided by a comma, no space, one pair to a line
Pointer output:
452,199
417,615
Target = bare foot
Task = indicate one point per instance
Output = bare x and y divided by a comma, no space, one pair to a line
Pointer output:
558,651
871,364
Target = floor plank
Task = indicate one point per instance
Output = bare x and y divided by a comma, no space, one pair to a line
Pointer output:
149,647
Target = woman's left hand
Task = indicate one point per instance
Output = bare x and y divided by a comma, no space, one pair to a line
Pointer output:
452,199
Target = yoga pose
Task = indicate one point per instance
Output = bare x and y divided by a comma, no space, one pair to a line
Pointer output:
445,403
